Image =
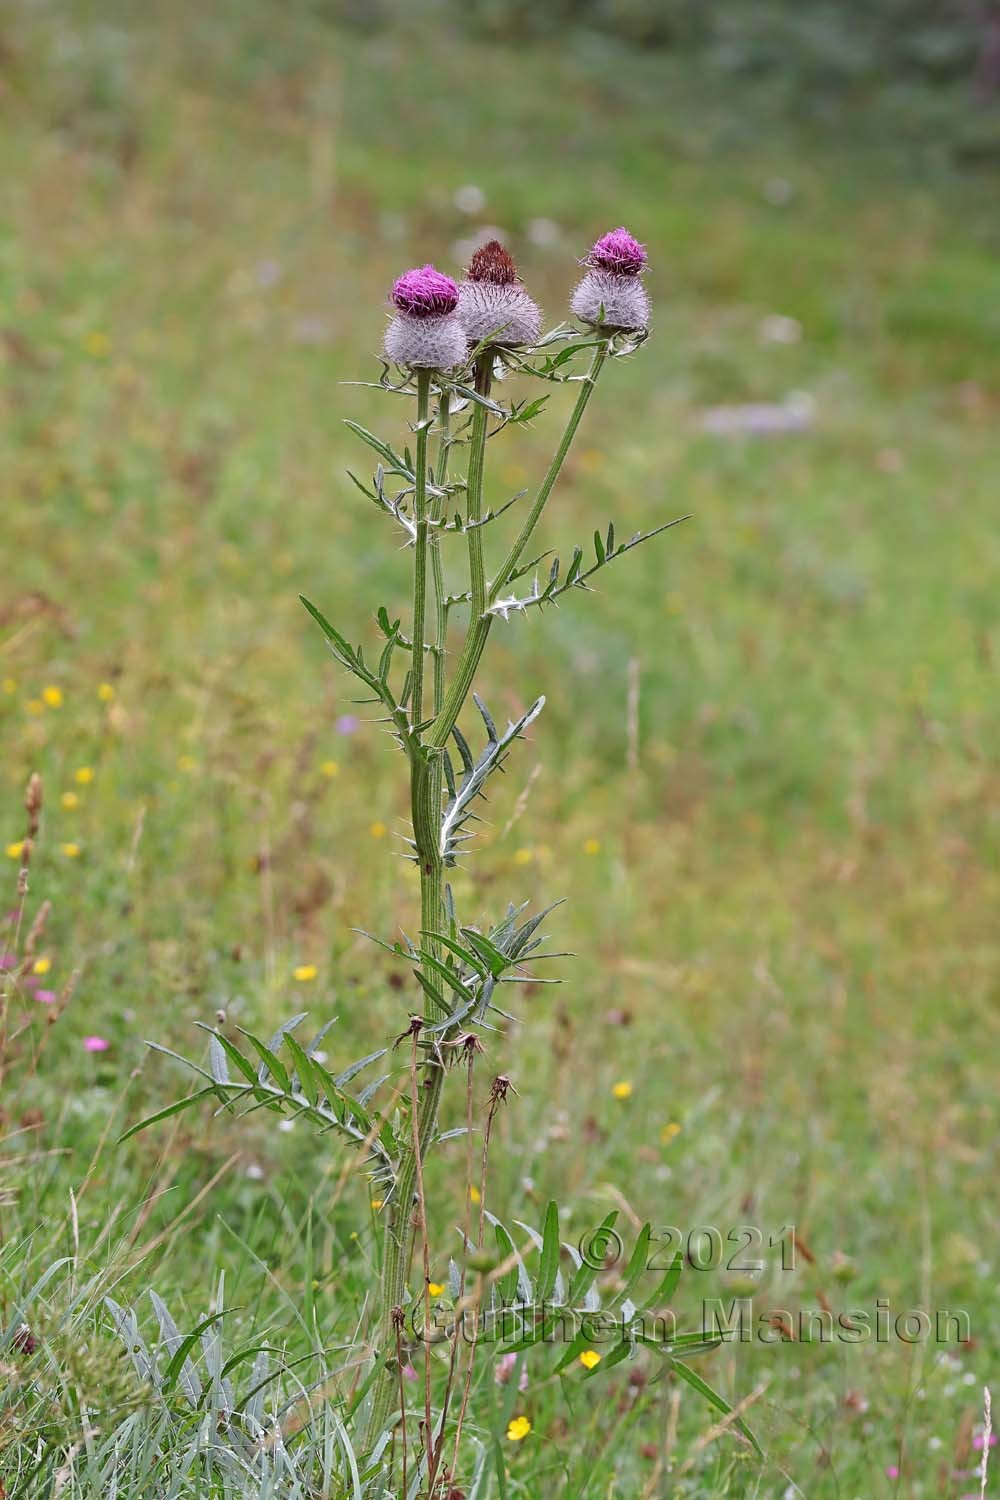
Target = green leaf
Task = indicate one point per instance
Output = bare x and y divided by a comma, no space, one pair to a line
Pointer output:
637,1262
587,1274
668,1285
232,1052
304,1068
488,952
389,455
164,1114
548,1268
269,1062
714,1399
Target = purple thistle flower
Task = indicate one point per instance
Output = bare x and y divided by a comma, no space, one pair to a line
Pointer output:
425,292
95,1044
492,303
619,252
47,997
426,334
347,724
611,294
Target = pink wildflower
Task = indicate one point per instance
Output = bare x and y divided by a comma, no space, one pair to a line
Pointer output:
95,1044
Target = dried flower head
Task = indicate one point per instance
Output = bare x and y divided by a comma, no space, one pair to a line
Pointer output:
493,304
611,294
493,263
426,334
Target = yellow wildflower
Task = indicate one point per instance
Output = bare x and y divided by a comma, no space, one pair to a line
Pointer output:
518,1428
669,1131
435,1288
35,706
70,800
523,856
475,1195
378,830
10,685
330,768
590,1359
41,966
15,850
105,692
622,1090
52,696
377,1204
97,344
70,850
304,973
591,846
83,775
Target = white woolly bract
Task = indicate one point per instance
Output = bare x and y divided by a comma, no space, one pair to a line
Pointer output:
426,343
623,299
507,311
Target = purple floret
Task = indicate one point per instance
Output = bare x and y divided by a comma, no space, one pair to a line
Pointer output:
619,253
425,293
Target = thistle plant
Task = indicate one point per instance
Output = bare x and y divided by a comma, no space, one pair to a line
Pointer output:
448,348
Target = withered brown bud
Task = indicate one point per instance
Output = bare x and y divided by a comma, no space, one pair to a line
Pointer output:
33,802
492,263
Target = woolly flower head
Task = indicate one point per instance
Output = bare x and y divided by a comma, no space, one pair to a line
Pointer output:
611,293
492,303
425,334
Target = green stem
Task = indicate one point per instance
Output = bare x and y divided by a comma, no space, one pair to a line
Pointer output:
474,487
437,566
420,545
479,626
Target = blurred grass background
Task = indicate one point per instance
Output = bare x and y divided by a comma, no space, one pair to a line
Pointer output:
782,886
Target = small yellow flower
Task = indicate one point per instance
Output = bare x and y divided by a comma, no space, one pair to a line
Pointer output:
330,768
668,1132
622,1090
41,966
70,850
475,1195
304,973
70,800
590,1359
105,692
35,706
591,846
378,830
10,685
435,1288
186,763
523,856
377,1204
518,1429
97,345
52,696
83,775
15,850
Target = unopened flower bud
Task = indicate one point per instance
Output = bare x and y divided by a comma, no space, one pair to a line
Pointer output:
611,294
426,333
492,302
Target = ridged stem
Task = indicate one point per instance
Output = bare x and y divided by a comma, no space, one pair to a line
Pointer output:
420,547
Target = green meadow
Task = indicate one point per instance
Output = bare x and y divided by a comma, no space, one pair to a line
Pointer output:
764,781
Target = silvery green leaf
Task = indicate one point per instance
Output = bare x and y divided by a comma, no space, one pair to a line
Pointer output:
459,806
